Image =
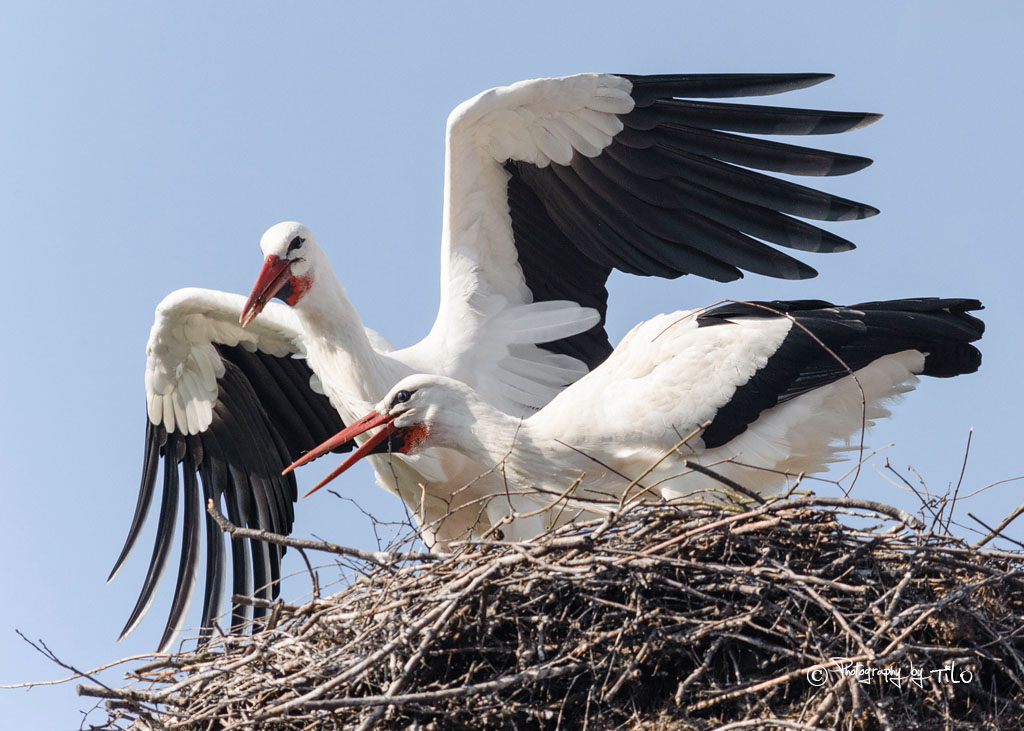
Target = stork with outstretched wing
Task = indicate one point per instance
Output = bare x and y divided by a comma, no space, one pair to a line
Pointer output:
549,185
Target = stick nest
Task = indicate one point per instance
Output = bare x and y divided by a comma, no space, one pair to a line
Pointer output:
698,617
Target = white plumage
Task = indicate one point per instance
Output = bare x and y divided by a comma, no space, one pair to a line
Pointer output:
739,370
549,185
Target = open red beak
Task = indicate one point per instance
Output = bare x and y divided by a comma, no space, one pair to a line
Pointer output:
371,420
273,275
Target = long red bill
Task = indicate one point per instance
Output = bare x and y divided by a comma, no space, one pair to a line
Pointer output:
364,449
347,434
272,277
371,420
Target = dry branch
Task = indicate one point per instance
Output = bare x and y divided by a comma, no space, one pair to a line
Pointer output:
660,617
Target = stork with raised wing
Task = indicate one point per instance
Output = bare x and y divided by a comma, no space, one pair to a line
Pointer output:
762,392
549,185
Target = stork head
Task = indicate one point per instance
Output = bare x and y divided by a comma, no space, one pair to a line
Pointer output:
420,411
427,411
291,252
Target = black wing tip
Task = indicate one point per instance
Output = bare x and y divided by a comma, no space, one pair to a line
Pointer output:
117,568
156,438
963,307
958,358
843,122
853,211
141,606
167,639
951,305
811,77
846,165
868,119
947,361
803,271
829,243
806,78
944,326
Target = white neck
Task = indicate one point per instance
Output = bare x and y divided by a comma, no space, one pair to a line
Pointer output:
492,438
531,469
354,375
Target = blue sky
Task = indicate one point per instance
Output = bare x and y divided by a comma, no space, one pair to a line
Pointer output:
145,149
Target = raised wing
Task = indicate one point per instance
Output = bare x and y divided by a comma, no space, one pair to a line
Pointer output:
552,183
232,407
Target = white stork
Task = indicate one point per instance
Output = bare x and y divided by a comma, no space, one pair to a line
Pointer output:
781,386
549,185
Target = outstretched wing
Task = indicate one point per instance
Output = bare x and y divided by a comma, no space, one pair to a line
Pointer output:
825,342
733,364
552,183
228,409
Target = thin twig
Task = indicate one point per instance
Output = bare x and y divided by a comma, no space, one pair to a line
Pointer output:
380,558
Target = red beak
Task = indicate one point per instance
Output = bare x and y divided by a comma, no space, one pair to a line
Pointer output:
273,275
371,420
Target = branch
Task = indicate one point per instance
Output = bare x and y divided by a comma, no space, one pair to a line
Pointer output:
380,558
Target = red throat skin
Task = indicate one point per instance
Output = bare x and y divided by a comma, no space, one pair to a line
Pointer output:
298,286
412,437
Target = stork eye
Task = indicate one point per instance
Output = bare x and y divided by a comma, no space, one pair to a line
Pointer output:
296,243
401,397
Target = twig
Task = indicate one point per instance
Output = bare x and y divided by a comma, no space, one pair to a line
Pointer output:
998,530
380,558
593,625
731,484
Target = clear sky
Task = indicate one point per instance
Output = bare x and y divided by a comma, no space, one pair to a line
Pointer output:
143,149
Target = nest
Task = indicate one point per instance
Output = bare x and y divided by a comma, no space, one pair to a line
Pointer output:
789,614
